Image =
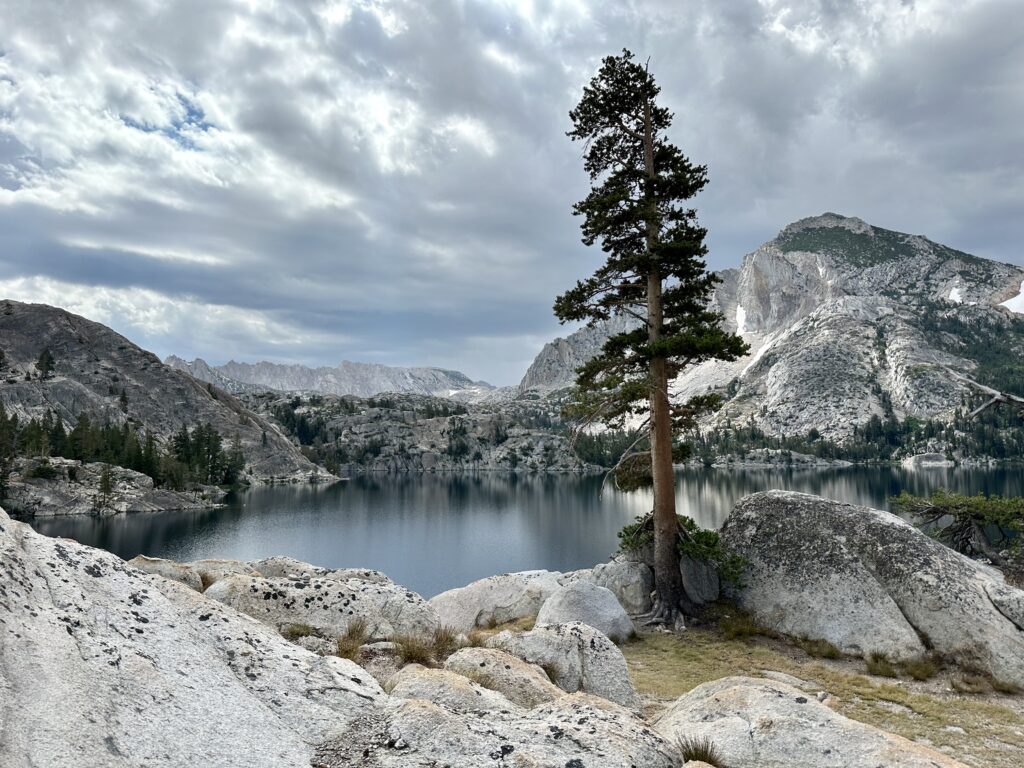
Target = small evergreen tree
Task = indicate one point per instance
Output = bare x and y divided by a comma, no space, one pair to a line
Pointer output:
106,486
654,273
45,363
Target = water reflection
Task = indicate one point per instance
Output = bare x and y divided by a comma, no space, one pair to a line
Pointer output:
433,532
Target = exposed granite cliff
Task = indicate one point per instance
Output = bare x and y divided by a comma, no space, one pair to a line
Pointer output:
845,321
555,366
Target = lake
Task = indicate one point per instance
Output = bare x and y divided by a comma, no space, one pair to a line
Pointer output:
432,532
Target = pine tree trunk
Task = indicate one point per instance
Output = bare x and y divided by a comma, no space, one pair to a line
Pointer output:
667,578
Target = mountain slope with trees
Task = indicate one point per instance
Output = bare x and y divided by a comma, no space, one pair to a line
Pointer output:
114,401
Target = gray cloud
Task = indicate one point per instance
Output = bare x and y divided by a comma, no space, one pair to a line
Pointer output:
391,181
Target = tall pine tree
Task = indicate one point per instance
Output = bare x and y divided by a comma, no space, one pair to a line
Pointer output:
655,273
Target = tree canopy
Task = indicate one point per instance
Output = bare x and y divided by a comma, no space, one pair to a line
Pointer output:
639,212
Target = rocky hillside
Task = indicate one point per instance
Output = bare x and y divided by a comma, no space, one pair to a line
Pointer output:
55,487
555,367
413,433
97,372
359,379
846,321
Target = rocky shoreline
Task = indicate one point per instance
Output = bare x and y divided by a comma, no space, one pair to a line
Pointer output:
55,487
277,662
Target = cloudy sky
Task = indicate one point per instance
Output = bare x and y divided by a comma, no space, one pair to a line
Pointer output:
313,180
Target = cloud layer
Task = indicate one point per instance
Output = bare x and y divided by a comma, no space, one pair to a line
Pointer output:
390,182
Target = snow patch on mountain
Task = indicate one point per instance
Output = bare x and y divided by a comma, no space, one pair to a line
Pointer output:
1016,304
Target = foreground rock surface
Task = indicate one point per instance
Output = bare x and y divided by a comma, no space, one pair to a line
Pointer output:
327,604
757,723
631,582
101,665
450,690
868,582
572,731
185,573
576,657
104,664
520,682
589,604
495,600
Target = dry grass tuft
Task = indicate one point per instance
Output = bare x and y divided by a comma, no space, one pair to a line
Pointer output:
414,650
479,636
879,665
968,682
356,634
445,642
818,649
921,669
700,749
293,632
738,626
1002,686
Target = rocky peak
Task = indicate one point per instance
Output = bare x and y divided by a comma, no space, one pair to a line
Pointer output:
842,318
827,220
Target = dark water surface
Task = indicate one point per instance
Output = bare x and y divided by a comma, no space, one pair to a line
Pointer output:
434,532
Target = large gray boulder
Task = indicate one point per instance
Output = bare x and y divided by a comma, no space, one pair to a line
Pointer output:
519,681
757,723
576,657
184,573
700,580
495,600
574,731
102,665
590,604
328,605
453,691
630,581
869,582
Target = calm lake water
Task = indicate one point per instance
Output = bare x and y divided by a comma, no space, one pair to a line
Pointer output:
434,532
